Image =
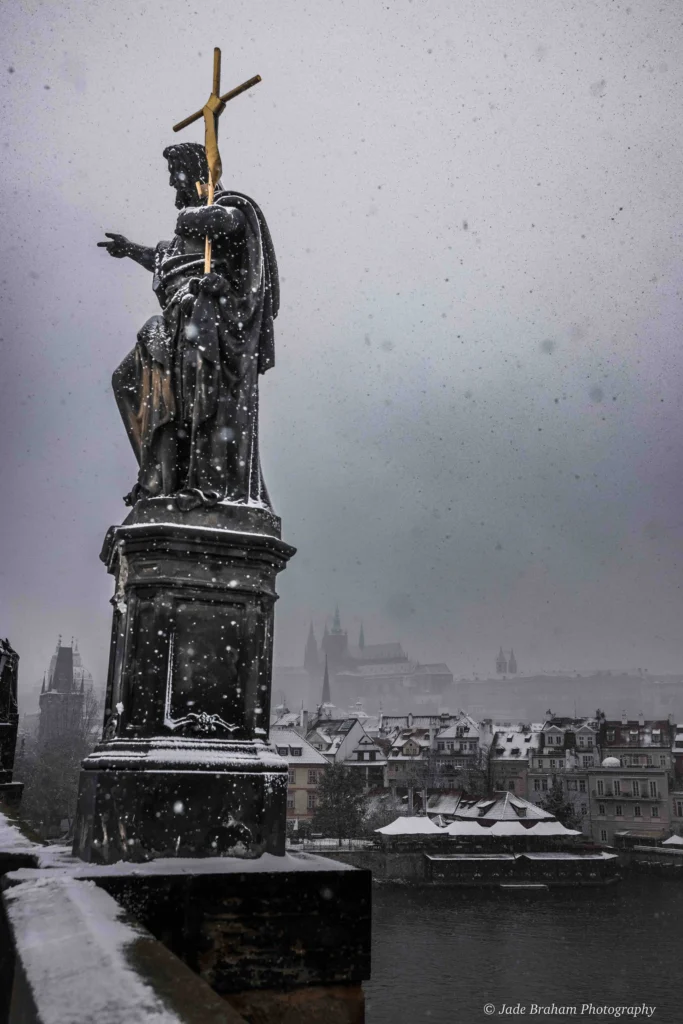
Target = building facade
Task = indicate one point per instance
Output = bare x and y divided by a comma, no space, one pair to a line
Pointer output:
305,767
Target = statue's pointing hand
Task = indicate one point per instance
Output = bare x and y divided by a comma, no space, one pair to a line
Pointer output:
117,246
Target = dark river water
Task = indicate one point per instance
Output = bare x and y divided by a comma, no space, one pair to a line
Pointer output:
442,954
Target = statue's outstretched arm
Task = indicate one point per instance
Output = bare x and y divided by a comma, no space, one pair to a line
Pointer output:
119,246
220,223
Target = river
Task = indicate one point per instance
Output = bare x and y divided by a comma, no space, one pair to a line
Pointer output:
440,955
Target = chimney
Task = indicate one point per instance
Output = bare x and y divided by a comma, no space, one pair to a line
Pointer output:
624,718
670,719
303,721
641,718
432,739
410,719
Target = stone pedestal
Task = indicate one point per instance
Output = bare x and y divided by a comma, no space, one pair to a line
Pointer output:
184,767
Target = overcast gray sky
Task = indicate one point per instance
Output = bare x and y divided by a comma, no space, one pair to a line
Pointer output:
473,429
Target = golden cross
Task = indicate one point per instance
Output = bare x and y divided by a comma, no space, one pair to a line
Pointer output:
211,111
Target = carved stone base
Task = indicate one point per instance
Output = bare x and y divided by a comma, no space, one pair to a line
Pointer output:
184,767
141,815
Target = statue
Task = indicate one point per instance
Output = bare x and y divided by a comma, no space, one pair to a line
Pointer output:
188,392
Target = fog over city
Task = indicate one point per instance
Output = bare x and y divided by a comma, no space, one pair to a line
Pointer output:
472,432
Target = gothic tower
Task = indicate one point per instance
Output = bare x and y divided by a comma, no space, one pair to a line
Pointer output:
326,685
311,660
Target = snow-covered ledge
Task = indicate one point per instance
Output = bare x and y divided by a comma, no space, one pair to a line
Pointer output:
80,959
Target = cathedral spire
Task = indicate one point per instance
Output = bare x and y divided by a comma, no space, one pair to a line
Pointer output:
326,684
43,689
311,663
336,621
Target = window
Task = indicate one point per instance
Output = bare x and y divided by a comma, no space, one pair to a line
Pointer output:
617,787
582,785
610,735
637,813
619,811
511,785
553,762
654,811
297,751
537,786
560,763
662,760
582,741
312,776
544,785
440,745
311,801
290,802
603,835
584,810
653,789
372,756
292,777
635,787
601,787
679,808
283,751
587,761
539,762
601,809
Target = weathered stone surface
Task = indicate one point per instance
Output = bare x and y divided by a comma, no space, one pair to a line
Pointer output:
184,767
9,714
329,1004
274,923
73,956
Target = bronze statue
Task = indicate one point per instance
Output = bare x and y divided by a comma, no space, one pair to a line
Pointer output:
188,392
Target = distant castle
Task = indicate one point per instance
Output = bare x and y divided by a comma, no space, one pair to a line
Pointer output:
506,666
368,671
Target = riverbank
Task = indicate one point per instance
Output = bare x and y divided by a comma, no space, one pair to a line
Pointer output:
553,868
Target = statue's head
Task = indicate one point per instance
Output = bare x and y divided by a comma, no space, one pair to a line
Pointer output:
187,165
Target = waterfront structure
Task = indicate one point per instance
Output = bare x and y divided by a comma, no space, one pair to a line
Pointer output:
510,755
342,739
639,742
304,764
628,799
567,749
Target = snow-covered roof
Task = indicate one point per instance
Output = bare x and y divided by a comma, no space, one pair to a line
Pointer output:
552,828
285,720
442,803
466,828
502,807
514,742
508,829
411,826
286,739
673,841
453,730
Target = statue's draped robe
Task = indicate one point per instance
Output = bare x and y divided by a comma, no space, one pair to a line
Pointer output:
188,392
